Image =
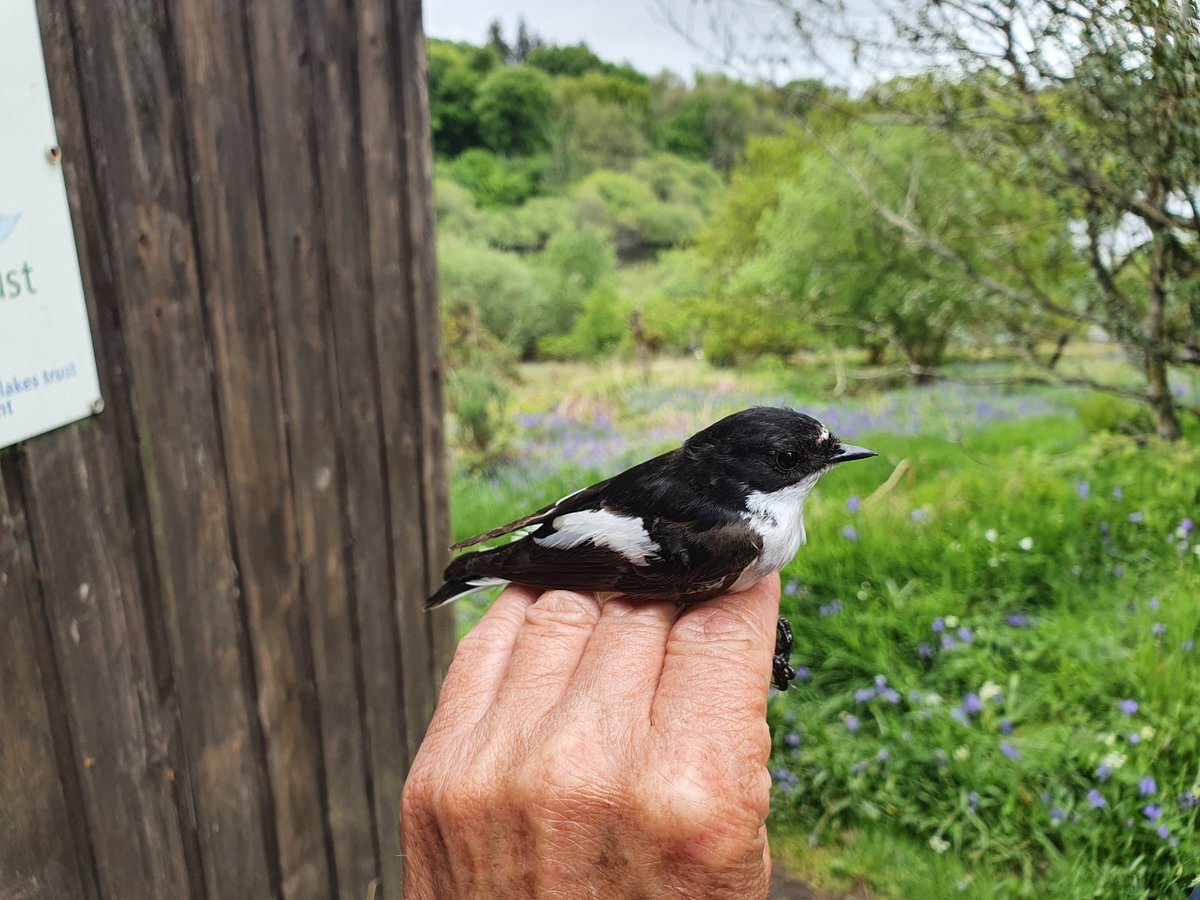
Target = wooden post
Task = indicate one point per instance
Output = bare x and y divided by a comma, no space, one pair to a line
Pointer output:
214,668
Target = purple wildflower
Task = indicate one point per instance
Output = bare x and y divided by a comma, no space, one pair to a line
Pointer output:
1134,738
1147,786
1083,489
1010,751
1103,771
852,724
880,682
792,740
862,695
854,504
1187,526
920,515
1118,492
1136,517
803,673
1018,620
966,635
1096,798
948,641
859,767
1152,812
1127,706
791,588
883,754
1188,646
1006,727
939,625
973,800
1158,629
1057,815
1163,832
1153,603
850,533
959,715
971,703
891,696
924,650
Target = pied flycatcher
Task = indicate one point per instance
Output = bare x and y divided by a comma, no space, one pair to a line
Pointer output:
712,517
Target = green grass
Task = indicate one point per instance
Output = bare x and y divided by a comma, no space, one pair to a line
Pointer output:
974,512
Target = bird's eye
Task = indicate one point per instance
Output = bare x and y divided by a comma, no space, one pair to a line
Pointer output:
787,459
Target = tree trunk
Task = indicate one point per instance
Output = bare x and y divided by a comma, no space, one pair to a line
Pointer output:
1166,420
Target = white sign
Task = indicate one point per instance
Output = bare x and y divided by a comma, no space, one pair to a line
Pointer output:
47,367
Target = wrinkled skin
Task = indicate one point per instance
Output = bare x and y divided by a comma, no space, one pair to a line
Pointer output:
612,751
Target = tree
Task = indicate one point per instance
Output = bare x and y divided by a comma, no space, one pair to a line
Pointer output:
526,43
453,87
496,41
1094,104
515,108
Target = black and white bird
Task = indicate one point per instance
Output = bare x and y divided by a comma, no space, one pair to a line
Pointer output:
712,517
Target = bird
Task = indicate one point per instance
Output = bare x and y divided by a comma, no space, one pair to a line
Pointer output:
713,516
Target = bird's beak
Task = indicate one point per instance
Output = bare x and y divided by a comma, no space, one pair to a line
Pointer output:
850,452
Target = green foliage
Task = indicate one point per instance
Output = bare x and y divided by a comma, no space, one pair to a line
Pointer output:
1100,413
712,122
597,331
515,107
453,87
481,371
494,181
576,60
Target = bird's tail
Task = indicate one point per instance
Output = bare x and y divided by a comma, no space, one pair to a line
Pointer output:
459,583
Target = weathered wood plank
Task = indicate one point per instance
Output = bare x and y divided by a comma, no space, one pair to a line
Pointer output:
39,856
296,245
382,118
413,80
338,105
225,159
131,95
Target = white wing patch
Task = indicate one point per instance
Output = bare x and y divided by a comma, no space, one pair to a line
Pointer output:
625,534
779,518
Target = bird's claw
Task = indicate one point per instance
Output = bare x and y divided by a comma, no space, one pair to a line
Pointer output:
783,671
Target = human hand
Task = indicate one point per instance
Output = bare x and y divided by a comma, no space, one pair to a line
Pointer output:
585,750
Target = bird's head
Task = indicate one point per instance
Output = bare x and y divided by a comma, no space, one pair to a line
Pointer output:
768,449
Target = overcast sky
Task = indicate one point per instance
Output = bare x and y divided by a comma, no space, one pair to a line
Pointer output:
635,31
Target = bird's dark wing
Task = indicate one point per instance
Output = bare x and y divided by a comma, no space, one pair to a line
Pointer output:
690,567
571,501
632,481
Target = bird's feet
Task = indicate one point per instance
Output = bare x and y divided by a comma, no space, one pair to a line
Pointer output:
784,672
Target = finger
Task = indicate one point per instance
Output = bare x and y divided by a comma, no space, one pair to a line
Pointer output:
717,667
623,661
480,662
557,628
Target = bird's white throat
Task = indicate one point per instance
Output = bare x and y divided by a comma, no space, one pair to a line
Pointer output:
778,517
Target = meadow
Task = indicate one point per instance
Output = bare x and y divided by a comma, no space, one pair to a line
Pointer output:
998,689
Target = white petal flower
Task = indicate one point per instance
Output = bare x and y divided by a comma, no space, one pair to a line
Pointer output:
1114,760
939,844
992,535
989,691
1026,543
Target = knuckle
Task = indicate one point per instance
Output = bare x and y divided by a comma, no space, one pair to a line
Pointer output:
729,626
556,609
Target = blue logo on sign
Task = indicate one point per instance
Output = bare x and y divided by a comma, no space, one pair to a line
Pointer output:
8,224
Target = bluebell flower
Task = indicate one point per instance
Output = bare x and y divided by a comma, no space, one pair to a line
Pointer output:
1158,629
850,533
791,739
1083,489
891,696
1006,727
1163,832
948,641
1096,798
1187,526
973,800
791,588
883,754
1057,815
966,635
1018,620
862,695
959,715
924,650
1152,812
1010,751
1136,517
1103,771
919,515
971,703
1153,603
939,625
852,724
853,503
1147,786
1128,706
1188,645
1134,738
803,673
1118,492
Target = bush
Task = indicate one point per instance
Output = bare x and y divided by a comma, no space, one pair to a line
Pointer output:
1100,413
495,182
515,108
